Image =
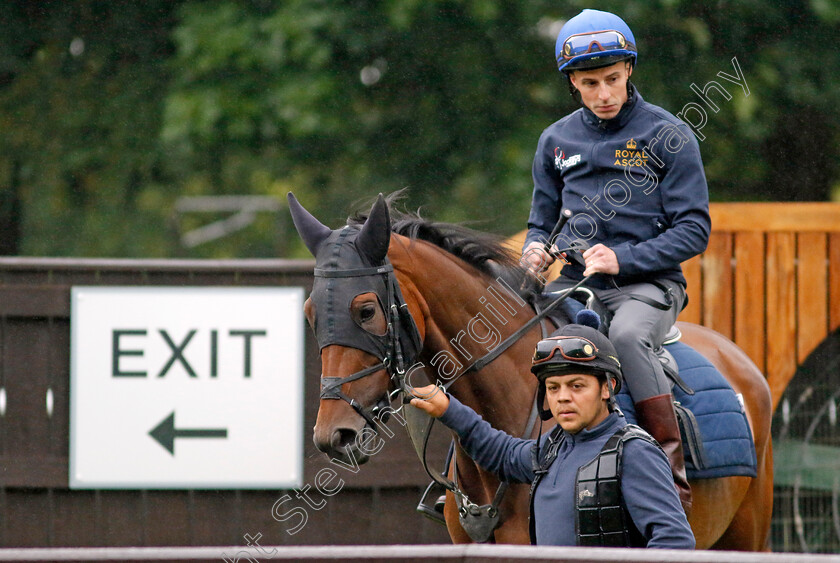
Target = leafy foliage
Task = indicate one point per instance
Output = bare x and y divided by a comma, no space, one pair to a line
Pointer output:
113,111
80,111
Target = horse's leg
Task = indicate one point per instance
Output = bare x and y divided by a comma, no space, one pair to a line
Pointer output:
750,525
453,526
716,501
469,481
514,511
480,487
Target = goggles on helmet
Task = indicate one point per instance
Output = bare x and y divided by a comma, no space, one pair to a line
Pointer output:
599,41
574,348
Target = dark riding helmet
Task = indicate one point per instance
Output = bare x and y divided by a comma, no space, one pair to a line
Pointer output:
594,39
575,348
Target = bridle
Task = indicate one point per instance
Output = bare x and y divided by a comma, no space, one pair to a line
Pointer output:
402,328
395,361
398,347
479,521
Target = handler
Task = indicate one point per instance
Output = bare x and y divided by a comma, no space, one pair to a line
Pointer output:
629,501
630,177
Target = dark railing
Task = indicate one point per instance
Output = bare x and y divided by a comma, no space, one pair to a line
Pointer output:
37,507
407,554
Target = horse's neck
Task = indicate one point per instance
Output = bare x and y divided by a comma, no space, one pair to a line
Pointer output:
465,316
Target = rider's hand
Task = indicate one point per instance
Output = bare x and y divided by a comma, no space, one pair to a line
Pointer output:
600,260
535,258
430,399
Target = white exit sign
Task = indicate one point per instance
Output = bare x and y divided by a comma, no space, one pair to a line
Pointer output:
186,387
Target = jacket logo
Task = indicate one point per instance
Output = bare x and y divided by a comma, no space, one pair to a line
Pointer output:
584,493
561,162
630,156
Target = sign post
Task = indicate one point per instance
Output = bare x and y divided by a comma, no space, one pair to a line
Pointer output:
186,387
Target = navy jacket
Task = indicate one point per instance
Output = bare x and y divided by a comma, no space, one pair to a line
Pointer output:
646,483
634,183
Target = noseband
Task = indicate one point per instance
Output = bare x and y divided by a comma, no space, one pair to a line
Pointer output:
401,327
479,521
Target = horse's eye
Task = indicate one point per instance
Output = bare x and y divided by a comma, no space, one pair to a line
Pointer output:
368,312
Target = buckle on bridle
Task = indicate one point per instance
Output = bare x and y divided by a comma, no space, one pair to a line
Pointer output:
382,410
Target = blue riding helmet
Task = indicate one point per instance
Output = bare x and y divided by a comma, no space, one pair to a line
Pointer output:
594,39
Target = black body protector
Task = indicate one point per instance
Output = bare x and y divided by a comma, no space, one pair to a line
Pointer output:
601,517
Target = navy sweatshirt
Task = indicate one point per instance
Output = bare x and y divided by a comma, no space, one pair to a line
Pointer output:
646,484
634,183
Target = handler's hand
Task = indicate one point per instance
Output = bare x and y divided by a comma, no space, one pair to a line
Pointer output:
535,258
430,399
600,260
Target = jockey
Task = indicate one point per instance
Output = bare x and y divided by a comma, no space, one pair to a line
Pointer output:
628,176
630,501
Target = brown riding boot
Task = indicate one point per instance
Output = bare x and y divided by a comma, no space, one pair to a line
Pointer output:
657,416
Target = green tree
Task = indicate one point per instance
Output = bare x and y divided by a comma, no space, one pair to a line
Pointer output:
80,108
340,100
111,112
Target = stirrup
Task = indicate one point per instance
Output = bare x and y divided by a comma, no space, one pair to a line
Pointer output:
430,505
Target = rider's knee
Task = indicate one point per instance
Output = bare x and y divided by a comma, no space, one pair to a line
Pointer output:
625,337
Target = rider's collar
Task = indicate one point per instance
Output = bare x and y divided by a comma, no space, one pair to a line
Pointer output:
619,120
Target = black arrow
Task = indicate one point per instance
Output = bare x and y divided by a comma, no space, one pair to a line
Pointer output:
165,433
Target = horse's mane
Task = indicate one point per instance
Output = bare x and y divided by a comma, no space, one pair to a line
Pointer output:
484,251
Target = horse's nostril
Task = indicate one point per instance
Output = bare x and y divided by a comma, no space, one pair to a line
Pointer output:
342,438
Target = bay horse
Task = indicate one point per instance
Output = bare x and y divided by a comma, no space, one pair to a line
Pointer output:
448,279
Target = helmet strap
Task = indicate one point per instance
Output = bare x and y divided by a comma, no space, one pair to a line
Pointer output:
630,88
612,405
545,414
574,92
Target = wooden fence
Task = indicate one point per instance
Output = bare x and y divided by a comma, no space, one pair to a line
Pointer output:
37,507
770,281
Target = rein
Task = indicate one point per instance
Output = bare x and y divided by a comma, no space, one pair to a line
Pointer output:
478,521
510,340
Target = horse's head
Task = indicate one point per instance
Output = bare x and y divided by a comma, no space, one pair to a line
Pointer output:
366,336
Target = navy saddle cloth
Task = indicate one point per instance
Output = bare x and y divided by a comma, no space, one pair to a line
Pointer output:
725,447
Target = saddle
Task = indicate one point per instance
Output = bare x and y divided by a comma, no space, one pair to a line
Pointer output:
717,441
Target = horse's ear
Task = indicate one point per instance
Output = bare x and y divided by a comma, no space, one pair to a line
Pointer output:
375,236
312,231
